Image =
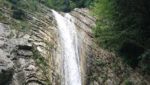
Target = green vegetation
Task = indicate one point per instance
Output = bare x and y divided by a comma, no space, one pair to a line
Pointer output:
66,5
123,26
18,14
144,63
127,82
3,18
42,63
29,5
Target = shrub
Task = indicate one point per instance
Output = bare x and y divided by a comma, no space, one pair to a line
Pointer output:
127,82
13,1
18,14
66,5
131,51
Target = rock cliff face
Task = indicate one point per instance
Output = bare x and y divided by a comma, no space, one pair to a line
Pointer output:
18,66
32,57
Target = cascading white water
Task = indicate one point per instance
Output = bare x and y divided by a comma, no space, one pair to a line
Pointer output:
69,42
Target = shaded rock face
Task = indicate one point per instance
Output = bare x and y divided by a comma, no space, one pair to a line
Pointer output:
6,68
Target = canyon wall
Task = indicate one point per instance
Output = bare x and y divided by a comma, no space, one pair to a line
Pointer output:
33,57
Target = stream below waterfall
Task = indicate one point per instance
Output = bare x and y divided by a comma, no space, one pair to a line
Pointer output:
69,44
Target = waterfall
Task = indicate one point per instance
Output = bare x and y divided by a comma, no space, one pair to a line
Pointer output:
69,43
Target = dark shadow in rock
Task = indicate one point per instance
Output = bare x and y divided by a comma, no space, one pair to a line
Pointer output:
6,76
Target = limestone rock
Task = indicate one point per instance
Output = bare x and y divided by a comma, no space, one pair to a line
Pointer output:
26,53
